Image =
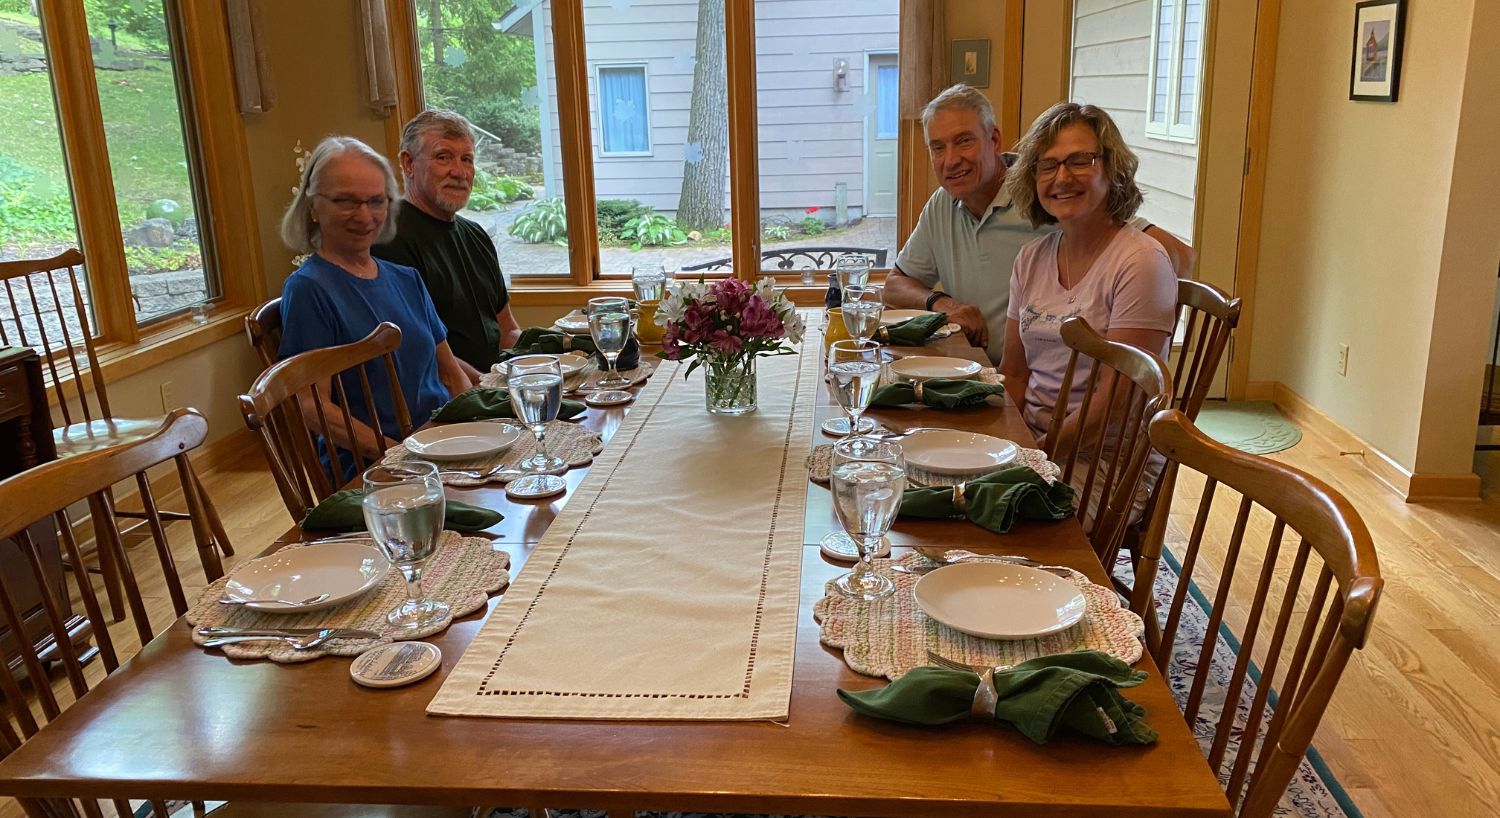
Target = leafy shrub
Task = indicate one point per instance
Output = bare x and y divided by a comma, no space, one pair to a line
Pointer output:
167,209
812,225
615,213
32,211
546,221
777,232
724,234
515,122
162,259
654,230
509,189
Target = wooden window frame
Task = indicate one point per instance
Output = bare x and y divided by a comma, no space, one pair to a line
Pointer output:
215,137
1169,129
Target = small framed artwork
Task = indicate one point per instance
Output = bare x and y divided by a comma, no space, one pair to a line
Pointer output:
1375,66
970,63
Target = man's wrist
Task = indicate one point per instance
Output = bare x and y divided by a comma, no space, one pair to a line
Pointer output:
933,299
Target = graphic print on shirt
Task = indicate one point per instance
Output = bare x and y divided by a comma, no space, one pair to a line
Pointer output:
1031,313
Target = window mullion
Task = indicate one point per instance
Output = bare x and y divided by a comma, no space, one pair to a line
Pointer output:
577,147
1174,73
90,179
744,137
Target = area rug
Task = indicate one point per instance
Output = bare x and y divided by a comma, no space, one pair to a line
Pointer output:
1313,792
1250,426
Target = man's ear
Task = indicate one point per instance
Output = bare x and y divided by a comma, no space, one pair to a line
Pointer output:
405,158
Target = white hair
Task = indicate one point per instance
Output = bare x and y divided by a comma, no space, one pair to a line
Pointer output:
298,230
961,96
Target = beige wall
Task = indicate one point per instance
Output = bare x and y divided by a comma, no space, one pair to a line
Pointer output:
1044,69
1366,213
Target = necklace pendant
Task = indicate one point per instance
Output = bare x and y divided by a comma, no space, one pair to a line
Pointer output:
1072,298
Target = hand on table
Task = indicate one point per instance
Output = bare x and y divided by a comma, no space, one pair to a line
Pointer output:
968,316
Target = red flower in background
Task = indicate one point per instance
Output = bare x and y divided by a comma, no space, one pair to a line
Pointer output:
812,210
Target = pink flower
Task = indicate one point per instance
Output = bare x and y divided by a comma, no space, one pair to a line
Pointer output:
726,344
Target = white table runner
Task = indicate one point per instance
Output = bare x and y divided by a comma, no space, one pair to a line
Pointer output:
668,587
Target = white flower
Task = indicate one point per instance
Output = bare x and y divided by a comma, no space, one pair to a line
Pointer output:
791,322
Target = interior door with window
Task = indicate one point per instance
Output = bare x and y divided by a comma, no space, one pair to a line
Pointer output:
880,136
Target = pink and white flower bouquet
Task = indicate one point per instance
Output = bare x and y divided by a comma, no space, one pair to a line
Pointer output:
725,326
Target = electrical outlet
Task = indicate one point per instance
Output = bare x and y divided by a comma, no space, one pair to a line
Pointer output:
1343,359
169,396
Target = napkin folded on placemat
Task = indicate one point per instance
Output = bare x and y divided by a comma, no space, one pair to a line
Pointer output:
1076,691
995,500
913,331
943,393
341,511
543,341
490,402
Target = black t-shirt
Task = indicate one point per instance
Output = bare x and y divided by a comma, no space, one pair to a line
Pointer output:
458,262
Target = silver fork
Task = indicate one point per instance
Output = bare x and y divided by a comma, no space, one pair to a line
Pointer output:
953,664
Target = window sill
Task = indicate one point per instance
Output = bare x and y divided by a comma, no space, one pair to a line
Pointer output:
169,339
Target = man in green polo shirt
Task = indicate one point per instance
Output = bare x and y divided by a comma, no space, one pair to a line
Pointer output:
968,235
455,256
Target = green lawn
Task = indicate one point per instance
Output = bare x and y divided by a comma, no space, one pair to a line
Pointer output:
143,134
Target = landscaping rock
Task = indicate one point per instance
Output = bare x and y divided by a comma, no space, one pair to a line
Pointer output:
151,233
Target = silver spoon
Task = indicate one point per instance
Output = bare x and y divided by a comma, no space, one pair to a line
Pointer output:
291,603
298,642
498,471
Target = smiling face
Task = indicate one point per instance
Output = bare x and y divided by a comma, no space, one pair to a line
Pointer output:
347,220
440,177
964,157
1073,194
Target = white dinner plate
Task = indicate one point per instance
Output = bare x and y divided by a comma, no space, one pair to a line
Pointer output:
575,322
462,441
343,570
949,451
926,367
571,363
897,316
995,600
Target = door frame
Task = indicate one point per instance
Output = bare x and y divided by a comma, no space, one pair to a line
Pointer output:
865,140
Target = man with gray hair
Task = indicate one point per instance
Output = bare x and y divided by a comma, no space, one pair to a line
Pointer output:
455,256
968,236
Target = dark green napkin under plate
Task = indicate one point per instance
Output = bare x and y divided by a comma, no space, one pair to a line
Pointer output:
995,500
943,393
1076,691
493,402
912,332
543,341
341,511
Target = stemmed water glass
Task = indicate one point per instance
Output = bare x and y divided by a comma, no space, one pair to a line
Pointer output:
851,271
868,480
609,324
536,395
404,513
853,373
861,308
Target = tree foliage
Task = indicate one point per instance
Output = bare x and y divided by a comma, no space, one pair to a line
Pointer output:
470,67
147,21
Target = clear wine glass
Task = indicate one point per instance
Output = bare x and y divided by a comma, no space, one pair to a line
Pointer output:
852,272
609,324
404,513
868,481
536,395
649,285
861,309
853,373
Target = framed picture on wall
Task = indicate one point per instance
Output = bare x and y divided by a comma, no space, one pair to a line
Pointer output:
1375,65
970,63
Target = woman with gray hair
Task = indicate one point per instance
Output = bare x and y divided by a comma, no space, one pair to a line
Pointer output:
1075,171
341,293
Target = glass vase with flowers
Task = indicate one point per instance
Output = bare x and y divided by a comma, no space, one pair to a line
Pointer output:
723,327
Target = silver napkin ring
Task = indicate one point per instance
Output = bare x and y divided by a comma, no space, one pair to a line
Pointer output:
916,389
985,696
960,503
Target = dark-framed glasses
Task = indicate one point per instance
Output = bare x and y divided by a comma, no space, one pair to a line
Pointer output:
1080,162
349,204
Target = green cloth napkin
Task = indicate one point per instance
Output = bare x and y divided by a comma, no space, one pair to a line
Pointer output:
1075,691
913,331
995,500
944,393
341,511
490,402
543,341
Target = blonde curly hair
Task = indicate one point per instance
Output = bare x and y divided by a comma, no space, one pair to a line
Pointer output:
1119,162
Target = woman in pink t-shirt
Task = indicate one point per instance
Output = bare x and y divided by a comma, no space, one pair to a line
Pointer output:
1075,171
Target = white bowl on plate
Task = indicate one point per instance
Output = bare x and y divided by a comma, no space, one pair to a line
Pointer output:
462,441
950,451
927,367
342,570
897,316
994,600
571,363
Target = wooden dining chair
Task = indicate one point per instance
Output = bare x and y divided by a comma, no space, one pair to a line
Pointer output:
263,325
1302,619
44,307
285,410
1103,451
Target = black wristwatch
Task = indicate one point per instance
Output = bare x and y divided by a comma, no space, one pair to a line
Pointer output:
932,299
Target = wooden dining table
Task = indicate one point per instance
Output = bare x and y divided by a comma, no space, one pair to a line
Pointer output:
178,721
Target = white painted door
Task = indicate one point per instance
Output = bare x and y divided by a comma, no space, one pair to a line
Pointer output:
880,135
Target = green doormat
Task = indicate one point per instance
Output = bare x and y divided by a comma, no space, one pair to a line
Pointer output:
1250,426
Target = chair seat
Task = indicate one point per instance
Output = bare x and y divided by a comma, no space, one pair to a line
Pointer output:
79,438
244,809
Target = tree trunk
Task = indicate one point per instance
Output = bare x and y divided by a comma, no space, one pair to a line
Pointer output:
435,24
701,205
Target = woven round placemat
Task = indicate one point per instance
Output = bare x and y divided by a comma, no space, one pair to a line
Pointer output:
573,443
820,467
463,572
891,636
585,380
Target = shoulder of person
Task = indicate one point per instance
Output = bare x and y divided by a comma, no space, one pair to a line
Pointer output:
1136,244
940,200
474,229
400,271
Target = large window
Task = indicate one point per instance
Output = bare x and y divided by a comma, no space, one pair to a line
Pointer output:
1176,68
158,228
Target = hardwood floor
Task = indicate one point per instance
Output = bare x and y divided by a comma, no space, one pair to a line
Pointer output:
1414,728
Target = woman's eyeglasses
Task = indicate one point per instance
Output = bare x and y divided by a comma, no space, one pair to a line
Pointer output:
1080,162
346,205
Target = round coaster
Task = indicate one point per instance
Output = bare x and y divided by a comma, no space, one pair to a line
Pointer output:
535,486
395,663
839,427
840,546
610,397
